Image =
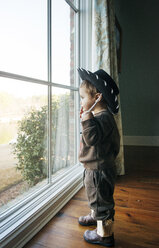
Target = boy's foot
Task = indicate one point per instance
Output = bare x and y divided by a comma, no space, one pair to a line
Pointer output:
93,238
87,220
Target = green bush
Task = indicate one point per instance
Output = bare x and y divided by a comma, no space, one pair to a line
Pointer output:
31,146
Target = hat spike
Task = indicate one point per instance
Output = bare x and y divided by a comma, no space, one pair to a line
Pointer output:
105,83
97,76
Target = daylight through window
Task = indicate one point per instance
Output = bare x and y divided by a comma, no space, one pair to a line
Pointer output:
37,111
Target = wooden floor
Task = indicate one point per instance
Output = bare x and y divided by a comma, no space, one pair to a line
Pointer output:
137,208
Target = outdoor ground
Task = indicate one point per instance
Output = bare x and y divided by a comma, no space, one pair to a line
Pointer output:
10,179
8,173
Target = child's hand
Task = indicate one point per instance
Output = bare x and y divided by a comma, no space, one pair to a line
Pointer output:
81,112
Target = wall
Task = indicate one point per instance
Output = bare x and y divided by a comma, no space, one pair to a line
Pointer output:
139,77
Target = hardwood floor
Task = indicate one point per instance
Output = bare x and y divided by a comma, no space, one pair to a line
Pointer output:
137,208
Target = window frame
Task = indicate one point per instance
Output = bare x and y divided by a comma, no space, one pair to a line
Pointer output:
20,223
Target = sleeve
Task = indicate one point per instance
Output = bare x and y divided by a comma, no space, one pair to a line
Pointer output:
94,131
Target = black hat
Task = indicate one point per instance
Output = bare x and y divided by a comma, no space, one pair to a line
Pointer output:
105,84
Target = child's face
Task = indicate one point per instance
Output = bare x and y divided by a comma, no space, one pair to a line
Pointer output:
86,99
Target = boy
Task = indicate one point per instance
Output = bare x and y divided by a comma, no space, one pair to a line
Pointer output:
98,149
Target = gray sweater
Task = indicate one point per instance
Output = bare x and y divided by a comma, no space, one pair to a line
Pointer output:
100,141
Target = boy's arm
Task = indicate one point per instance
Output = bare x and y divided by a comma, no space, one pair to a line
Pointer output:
87,116
91,131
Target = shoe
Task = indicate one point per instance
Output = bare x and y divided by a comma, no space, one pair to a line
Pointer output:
93,238
87,220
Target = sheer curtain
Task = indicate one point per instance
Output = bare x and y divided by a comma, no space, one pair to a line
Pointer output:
63,124
104,55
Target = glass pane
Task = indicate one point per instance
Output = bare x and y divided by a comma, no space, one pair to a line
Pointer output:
63,124
63,43
23,139
23,43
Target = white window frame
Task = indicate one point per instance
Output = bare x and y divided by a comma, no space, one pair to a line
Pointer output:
20,223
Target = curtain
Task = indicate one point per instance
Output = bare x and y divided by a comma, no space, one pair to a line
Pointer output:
104,55
63,130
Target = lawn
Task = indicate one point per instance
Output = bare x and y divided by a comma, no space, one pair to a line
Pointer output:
8,177
8,174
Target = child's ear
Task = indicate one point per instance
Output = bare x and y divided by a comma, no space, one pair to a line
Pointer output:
99,96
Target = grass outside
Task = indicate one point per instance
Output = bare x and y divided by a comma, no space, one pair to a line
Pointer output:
8,174
8,177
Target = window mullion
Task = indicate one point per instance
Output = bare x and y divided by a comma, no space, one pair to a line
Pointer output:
35,80
77,79
49,91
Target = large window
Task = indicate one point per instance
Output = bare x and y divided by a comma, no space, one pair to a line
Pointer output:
39,125
26,106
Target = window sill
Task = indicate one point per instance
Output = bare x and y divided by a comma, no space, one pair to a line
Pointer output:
17,230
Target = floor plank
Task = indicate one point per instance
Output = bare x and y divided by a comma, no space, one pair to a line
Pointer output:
137,208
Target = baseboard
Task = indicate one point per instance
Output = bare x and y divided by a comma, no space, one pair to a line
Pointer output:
141,140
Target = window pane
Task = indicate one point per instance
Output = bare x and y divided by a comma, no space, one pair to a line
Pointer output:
63,43
23,43
23,139
63,128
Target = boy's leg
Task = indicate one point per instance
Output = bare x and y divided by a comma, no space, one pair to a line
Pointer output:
87,220
100,195
99,185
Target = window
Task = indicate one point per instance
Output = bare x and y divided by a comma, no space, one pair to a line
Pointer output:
23,44
26,135
23,139
63,44
39,122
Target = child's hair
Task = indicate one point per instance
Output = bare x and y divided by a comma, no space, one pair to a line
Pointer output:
91,89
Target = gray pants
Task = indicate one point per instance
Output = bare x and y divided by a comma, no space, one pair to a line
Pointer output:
99,185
